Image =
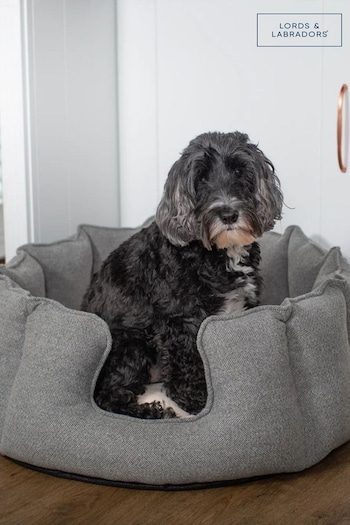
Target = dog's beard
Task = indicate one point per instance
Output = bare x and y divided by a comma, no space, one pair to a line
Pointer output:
236,237
214,231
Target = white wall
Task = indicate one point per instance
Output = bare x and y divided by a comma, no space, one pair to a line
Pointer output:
190,66
119,87
138,109
12,128
64,105
72,64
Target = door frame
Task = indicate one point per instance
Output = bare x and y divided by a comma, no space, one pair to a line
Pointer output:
15,136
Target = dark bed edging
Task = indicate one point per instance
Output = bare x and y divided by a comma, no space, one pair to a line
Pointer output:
136,485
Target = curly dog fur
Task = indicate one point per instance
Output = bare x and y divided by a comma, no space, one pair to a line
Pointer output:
198,258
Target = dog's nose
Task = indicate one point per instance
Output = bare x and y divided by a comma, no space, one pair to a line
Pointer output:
228,216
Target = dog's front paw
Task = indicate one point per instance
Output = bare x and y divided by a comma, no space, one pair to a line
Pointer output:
169,413
156,393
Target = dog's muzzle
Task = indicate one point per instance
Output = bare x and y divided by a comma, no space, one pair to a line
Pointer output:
224,227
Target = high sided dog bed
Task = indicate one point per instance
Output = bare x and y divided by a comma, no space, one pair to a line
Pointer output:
278,375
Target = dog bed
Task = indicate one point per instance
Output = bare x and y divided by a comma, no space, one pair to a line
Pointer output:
278,375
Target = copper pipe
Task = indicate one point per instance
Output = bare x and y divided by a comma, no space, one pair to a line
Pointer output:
343,90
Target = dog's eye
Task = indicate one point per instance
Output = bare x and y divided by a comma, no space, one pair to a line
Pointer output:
234,167
202,174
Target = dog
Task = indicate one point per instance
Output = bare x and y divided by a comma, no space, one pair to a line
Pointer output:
198,258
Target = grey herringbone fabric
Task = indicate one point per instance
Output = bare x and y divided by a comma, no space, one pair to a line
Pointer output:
278,375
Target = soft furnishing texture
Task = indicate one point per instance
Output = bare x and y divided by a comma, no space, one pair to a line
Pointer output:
278,375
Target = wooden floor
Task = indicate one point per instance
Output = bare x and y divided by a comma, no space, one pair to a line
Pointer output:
320,495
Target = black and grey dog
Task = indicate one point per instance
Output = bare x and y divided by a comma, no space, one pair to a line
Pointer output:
197,259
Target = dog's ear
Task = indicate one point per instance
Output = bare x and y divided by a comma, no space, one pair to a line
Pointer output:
175,213
269,195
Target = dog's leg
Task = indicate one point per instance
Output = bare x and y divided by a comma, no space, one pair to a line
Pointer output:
123,379
184,378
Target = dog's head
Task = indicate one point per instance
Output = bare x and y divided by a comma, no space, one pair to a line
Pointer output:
222,190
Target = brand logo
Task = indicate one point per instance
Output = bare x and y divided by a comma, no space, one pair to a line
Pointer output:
299,29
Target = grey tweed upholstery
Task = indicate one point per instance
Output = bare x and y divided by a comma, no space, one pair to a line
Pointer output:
278,375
